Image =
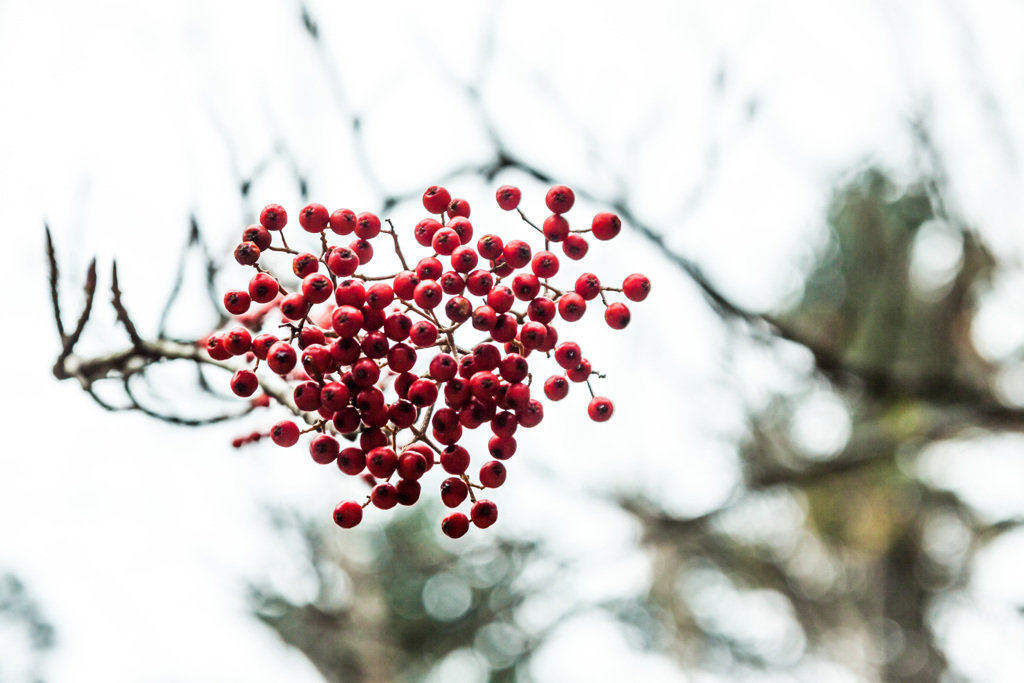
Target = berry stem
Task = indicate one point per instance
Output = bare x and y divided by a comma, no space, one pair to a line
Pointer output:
528,221
398,248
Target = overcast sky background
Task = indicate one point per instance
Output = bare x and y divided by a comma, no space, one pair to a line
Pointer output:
726,124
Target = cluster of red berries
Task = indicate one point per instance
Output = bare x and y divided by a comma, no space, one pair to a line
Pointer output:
380,359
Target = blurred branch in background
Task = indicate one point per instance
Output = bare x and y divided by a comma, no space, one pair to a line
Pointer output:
26,637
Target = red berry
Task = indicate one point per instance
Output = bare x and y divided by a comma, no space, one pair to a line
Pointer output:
379,296
492,474
463,228
455,460
636,287
525,286
305,264
484,513
532,416
575,247
555,228
347,421
397,326
259,235
572,307
559,199
490,247
579,372
405,284
541,310
501,298
247,253
244,383
424,231
568,354
350,293
617,316
588,286
600,409
324,449
436,199
285,433
348,514
381,462
453,492
342,261
514,368
479,282
342,222
411,465
347,321
407,491
363,251
262,343
307,396
501,447
237,341
402,413
334,396
352,461
423,333
464,259
294,306
508,197
445,241
605,226
314,218
273,217
517,254
544,264
237,302
367,226
384,496
401,357
458,309
263,288
281,358
458,208
455,525
452,283
428,294
422,393
317,288
556,387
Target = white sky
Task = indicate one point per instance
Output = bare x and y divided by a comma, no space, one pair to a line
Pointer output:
120,119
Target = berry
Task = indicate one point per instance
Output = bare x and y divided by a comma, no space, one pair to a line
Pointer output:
555,228
588,286
532,415
525,286
492,474
367,226
305,264
407,491
273,217
541,310
636,287
484,513
411,465
365,373
259,235
428,294
348,514
605,226
424,231
422,393
600,409
458,208
575,247
314,218
453,492
324,449
479,282
244,383
490,247
579,372
455,460
237,341
262,343
285,433
381,462
294,306
307,396
568,354
559,199
501,447
463,228
263,288
352,461
571,307
379,296
501,298
247,253
556,387
363,251
508,197
334,396
517,254
455,525
317,288
342,222
445,241
342,261
384,496
617,316
464,259
436,199
423,333
281,358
